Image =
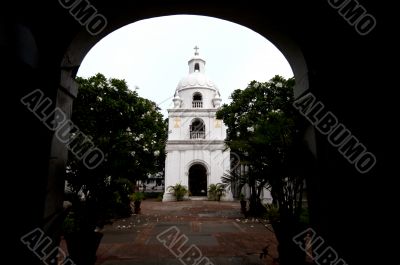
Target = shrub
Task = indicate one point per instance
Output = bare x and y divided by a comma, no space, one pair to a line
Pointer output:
304,216
160,196
137,196
215,191
152,195
179,191
272,213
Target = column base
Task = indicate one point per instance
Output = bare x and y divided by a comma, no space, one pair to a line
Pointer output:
168,197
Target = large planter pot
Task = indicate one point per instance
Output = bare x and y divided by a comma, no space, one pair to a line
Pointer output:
243,206
136,208
82,247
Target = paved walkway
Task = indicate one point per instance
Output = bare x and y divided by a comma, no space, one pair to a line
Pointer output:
218,229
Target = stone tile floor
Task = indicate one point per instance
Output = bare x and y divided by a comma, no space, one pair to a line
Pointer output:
218,229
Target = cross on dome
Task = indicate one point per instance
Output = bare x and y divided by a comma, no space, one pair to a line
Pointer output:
196,50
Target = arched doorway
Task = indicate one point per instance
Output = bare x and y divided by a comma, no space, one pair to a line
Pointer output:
198,180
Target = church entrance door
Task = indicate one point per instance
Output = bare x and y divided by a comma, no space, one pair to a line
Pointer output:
198,180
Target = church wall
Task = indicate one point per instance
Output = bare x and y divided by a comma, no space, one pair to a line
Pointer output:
187,96
179,126
172,166
178,163
220,163
265,196
219,130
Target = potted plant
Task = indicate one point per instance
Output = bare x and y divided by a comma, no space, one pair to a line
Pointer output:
215,191
137,198
82,237
243,203
91,208
272,213
178,190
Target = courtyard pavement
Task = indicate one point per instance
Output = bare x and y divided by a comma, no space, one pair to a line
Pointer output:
218,229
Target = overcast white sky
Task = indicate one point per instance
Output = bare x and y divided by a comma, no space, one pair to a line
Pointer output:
152,55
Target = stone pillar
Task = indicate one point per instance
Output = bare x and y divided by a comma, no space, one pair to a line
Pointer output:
53,211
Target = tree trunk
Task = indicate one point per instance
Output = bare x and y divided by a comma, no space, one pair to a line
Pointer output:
255,204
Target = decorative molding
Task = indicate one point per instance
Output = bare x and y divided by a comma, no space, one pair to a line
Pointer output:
197,161
196,142
196,86
209,148
184,110
177,122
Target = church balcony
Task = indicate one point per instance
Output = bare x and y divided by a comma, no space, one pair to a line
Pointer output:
197,135
197,104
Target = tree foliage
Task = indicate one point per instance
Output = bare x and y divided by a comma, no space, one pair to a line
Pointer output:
265,132
262,130
128,129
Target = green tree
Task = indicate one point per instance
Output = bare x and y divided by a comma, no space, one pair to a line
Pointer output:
265,131
129,130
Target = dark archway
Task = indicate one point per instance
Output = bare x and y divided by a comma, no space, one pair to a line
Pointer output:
197,129
197,99
198,180
335,63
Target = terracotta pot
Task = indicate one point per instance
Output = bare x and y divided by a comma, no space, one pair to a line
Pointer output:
243,206
82,247
137,209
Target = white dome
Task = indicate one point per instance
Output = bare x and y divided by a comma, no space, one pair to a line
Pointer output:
196,80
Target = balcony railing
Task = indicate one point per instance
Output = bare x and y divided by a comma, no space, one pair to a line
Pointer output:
197,135
197,104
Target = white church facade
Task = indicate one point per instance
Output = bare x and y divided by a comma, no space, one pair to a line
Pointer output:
196,153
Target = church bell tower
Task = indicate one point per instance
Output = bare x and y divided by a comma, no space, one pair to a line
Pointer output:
196,153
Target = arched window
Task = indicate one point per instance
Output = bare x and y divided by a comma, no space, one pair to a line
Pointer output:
197,129
197,100
196,67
